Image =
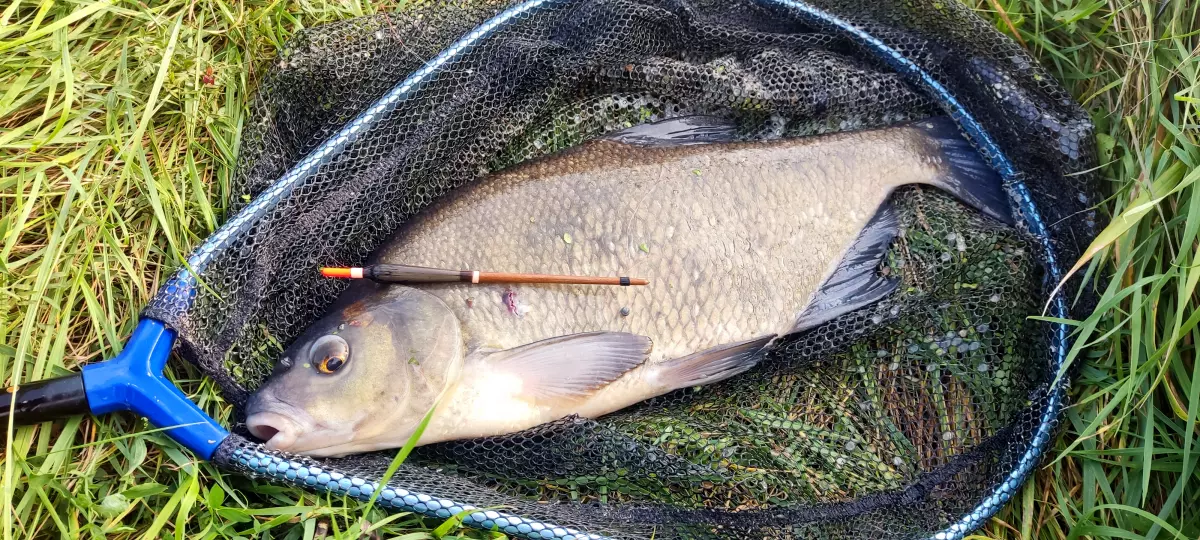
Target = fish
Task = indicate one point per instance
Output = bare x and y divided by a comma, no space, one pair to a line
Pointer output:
743,242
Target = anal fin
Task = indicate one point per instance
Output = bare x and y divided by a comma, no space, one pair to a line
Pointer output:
710,365
571,366
856,282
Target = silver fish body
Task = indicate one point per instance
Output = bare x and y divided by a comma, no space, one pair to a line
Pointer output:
741,242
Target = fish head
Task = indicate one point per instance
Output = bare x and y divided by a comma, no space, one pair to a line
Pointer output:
359,377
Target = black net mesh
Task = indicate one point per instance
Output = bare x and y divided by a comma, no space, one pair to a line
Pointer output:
912,417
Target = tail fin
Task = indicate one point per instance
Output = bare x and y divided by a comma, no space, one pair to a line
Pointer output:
969,177
710,365
854,283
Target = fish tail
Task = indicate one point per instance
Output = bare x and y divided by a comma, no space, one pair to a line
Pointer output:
968,175
710,365
855,282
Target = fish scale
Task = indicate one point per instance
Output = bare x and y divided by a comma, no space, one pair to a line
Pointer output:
728,217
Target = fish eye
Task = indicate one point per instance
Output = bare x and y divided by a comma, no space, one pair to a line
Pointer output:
332,352
330,364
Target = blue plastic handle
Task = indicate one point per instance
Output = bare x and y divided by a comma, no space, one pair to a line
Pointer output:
134,381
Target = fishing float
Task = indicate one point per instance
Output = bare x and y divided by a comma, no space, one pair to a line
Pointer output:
402,273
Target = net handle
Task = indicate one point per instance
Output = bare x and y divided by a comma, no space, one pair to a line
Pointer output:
131,381
41,401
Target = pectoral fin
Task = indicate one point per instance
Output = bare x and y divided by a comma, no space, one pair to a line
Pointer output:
570,366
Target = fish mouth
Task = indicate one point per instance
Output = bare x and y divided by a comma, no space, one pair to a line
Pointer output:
286,428
279,431
278,424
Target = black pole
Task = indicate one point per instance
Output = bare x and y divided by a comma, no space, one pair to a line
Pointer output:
401,273
44,400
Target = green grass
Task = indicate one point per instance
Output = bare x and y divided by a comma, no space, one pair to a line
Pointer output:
116,156
1126,466
116,159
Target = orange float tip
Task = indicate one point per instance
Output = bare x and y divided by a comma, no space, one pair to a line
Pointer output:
344,273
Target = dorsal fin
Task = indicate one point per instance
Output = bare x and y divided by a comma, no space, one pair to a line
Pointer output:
684,130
